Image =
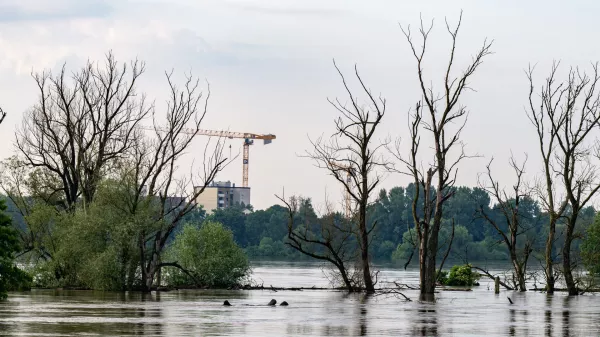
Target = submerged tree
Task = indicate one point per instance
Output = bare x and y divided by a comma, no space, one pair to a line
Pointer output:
353,158
566,116
330,238
436,114
512,225
153,173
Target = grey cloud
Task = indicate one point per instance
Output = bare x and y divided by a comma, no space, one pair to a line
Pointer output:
28,10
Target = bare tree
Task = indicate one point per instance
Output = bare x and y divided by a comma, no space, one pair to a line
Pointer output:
566,115
2,115
436,114
353,160
155,179
512,216
331,238
81,123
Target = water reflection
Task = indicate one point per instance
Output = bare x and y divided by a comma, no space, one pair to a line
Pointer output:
149,318
566,317
428,322
512,319
548,315
363,314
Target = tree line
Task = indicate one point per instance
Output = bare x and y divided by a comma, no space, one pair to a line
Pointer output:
481,231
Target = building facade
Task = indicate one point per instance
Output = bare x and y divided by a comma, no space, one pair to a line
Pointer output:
222,194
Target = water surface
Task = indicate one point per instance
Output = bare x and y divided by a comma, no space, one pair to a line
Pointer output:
310,313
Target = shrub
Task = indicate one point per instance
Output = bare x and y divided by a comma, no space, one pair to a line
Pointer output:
460,276
209,254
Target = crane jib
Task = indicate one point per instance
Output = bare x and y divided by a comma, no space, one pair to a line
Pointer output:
248,140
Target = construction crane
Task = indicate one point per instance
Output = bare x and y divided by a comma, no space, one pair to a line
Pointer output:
348,197
246,136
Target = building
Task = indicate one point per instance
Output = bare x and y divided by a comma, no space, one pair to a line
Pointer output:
222,194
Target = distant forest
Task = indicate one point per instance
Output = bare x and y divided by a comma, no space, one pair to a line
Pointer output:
263,233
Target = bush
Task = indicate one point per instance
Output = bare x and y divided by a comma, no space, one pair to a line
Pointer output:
209,254
460,276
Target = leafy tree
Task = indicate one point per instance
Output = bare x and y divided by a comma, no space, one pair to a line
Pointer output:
270,222
234,219
462,207
590,249
207,256
11,276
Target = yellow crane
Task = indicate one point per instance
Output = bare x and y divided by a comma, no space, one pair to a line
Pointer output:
246,136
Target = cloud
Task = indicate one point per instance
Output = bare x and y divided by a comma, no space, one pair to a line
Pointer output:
44,10
287,10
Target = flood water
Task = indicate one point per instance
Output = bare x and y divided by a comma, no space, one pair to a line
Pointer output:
310,313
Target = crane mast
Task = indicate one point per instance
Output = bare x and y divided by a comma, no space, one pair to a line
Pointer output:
246,136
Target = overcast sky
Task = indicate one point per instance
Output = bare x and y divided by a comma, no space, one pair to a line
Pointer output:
269,64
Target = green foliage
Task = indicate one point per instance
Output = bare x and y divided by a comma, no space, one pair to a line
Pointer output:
95,247
271,222
590,249
234,219
460,275
384,249
11,277
273,249
209,254
404,249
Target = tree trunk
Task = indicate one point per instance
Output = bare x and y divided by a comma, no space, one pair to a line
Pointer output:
519,269
148,277
566,259
428,283
549,261
345,278
520,273
364,251
423,261
428,268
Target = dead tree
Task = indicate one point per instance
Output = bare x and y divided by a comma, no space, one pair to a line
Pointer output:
155,180
81,123
353,160
330,238
565,115
436,114
2,115
511,215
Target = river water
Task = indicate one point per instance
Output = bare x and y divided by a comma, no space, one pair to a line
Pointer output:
310,312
